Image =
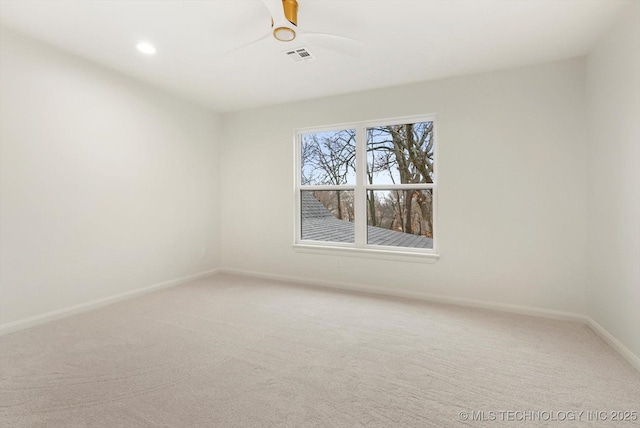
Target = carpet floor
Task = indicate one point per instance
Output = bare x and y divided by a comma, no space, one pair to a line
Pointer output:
232,351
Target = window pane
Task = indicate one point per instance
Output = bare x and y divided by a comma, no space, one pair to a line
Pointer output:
328,158
400,154
400,218
327,215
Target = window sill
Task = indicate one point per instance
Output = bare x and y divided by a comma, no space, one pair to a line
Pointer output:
391,255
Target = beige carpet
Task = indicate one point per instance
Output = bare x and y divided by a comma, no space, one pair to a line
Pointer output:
231,351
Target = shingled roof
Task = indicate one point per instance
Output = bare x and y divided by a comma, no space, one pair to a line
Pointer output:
319,224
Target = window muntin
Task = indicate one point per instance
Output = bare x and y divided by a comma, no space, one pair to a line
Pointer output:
384,176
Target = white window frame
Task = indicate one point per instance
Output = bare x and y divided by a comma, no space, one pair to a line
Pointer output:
360,248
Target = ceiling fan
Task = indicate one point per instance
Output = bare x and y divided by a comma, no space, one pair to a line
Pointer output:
284,29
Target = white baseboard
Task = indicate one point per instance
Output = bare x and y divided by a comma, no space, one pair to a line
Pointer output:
392,292
625,352
83,307
629,356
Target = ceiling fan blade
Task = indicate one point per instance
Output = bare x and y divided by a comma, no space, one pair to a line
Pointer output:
339,44
246,45
275,9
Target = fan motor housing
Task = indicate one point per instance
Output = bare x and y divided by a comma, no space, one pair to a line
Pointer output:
291,11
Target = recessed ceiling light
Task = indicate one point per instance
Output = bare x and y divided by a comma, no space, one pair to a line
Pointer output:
146,48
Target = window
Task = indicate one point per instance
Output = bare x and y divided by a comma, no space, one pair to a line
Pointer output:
368,186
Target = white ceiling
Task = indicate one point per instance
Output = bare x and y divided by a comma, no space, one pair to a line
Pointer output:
404,41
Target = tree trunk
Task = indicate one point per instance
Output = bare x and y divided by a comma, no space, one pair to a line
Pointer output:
399,208
372,208
426,209
407,211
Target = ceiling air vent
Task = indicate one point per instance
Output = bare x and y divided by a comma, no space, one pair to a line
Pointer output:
300,54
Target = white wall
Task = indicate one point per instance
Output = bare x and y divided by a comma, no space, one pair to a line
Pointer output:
613,87
512,195
107,185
